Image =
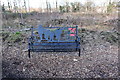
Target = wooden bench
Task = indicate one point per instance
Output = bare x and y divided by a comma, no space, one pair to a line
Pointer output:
54,39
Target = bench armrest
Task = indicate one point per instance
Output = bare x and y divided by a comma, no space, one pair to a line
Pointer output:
78,38
30,40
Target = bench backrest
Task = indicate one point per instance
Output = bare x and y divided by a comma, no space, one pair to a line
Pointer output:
55,34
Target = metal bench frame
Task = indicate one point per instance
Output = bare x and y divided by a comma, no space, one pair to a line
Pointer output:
46,43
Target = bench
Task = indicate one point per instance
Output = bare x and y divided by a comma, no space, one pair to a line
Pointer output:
54,39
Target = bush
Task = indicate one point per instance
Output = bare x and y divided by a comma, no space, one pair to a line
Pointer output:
110,37
15,37
14,15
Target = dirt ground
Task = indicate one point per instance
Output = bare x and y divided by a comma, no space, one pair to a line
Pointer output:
99,58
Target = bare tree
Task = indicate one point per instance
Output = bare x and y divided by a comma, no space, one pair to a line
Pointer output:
3,7
47,5
20,10
67,7
15,6
28,6
25,6
56,5
9,5
89,5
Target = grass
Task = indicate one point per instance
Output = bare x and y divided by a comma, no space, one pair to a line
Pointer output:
15,37
111,37
11,37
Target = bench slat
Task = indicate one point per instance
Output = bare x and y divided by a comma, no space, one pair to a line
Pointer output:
53,50
54,43
71,46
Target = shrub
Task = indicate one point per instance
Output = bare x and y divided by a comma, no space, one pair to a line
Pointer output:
110,37
15,37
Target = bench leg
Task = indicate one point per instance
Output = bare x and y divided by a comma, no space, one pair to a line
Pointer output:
29,53
79,52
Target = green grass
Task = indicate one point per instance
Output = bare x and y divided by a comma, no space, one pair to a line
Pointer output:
15,37
11,37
